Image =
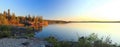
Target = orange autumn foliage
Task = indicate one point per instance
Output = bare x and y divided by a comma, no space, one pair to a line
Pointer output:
11,19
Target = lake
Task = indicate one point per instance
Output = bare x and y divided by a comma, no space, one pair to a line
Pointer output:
71,31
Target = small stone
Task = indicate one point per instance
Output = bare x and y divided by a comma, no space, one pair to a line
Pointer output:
25,43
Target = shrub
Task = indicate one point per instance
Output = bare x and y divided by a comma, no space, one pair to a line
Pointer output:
30,35
5,31
5,28
90,41
5,34
52,40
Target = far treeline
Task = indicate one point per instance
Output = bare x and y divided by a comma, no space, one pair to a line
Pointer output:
6,18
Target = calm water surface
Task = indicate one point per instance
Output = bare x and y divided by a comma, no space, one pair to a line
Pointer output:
72,31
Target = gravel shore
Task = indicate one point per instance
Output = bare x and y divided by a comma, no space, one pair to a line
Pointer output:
13,42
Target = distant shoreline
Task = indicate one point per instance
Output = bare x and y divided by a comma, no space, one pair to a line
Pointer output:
94,21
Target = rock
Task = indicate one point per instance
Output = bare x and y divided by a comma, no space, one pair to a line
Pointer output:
25,43
22,42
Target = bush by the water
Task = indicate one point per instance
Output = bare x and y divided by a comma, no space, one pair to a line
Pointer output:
5,28
5,31
90,41
5,34
29,35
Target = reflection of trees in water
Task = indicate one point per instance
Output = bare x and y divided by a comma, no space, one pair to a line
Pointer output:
39,28
23,31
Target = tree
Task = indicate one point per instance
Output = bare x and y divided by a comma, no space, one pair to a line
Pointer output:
40,19
29,18
33,18
17,20
22,18
13,19
8,12
5,14
3,20
36,21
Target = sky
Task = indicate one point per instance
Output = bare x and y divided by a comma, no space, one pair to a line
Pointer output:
70,10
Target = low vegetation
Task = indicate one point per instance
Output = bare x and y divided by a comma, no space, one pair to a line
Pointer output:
90,41
5,31
13,31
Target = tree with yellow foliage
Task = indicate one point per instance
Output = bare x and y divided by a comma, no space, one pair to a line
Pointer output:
40,19
13,19
36,21
5,14
3,20
17,20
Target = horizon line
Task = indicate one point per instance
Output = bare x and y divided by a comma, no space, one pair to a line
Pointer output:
94,21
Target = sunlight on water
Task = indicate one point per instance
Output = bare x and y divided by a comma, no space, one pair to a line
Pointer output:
71,31
102,29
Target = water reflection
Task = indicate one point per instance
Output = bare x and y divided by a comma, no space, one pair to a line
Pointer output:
26,31
73,30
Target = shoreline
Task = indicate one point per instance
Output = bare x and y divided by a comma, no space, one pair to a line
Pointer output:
22,42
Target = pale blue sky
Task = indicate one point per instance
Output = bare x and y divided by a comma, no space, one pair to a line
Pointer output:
52,9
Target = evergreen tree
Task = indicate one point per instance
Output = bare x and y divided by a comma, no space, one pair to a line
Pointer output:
29,18
5,14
